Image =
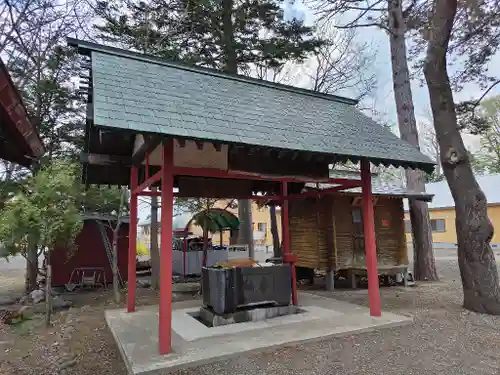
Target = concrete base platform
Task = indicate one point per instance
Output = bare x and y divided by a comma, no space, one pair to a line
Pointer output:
256,314
194,343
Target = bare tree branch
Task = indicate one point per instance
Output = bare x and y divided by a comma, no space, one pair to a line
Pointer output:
351,26
363,13
343,65
369,15
492,86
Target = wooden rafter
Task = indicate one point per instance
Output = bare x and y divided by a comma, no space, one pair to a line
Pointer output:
151,142
105,160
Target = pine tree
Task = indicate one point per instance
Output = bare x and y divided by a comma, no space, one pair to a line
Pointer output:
230,35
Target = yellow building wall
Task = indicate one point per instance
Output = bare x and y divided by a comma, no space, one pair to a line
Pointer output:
259,216
450,234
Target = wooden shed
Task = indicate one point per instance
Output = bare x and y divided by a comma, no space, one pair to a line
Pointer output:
90,253
326,232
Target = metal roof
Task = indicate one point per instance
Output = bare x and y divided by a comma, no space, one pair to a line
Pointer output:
145,94
178,221
442,195
381,188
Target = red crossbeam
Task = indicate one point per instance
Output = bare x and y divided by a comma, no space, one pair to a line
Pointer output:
344,183
147,183
315,193
219,173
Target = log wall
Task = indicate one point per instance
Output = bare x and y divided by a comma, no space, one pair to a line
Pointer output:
311,232
324,236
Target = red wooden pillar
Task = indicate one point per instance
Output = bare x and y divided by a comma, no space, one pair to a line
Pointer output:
370,241
167,201
132,240
287,255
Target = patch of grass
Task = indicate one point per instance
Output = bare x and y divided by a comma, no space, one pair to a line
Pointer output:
27,325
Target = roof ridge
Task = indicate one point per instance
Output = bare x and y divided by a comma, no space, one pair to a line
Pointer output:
85,47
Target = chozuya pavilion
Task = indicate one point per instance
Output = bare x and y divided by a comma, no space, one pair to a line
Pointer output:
152,122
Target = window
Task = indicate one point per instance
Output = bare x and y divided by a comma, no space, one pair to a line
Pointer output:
438,225
407,226
356,215
262,227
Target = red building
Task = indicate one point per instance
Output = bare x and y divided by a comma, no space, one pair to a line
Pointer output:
91,253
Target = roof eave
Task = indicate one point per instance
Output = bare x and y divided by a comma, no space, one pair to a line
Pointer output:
427,167
31,137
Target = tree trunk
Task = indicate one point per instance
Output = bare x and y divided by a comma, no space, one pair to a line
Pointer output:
229,57
424,265
153,248
423,255
48,291
274,232
32,256
205,247
245,232
477,264
438,163
114,268
31,267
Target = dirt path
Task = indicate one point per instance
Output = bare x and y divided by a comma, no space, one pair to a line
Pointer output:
11,283
444,339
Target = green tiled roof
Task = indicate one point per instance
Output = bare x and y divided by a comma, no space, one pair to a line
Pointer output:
144,94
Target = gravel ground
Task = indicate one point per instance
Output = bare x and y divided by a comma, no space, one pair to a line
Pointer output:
444,339
11,282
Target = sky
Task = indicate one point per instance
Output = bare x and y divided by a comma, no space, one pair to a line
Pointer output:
383,98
